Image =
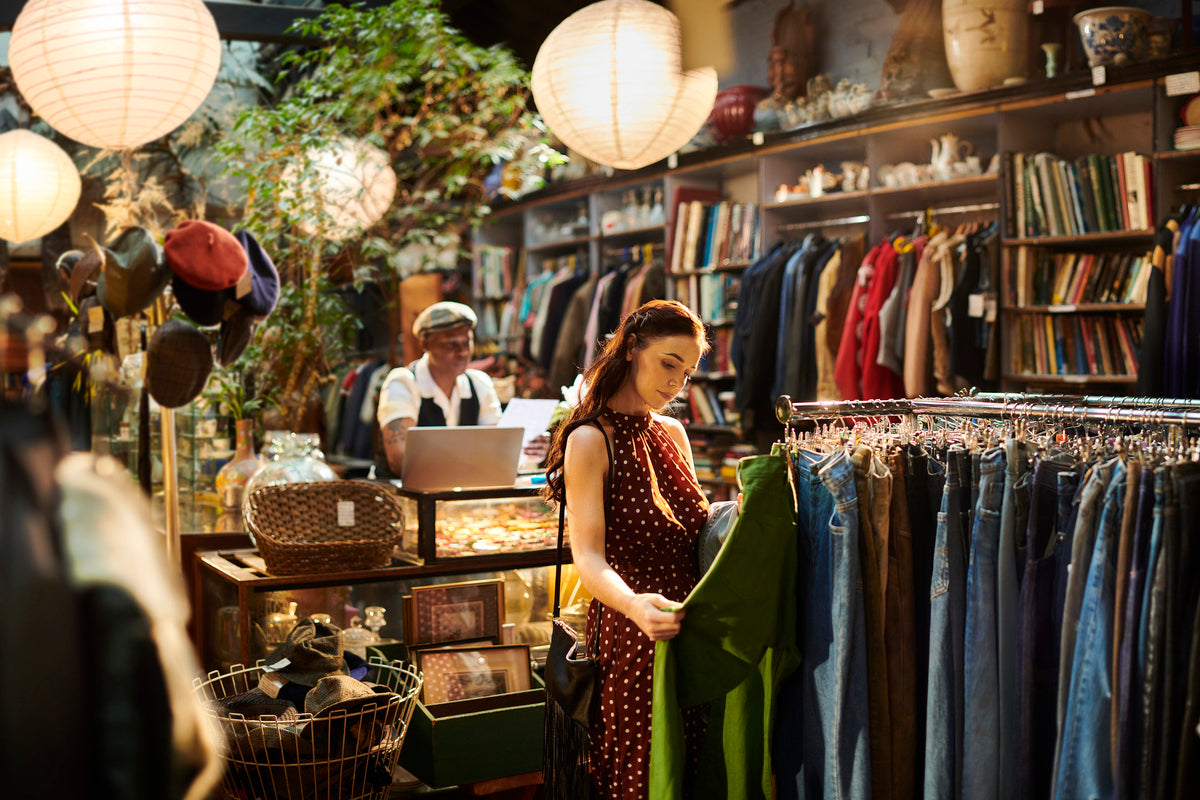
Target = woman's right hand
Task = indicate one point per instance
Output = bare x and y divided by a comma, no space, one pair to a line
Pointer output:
646,611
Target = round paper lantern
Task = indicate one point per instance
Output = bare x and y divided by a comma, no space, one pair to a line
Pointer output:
354,184
39,186
607,81
114,73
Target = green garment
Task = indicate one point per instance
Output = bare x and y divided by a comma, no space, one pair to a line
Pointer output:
737,643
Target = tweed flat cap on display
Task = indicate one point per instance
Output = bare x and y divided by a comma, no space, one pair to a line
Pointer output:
178,361
204,255
264,278
134,273
311,651
443,316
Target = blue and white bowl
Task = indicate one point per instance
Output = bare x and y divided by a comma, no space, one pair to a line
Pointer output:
1113,34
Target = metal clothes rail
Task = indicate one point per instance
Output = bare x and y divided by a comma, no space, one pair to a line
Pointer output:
1011,409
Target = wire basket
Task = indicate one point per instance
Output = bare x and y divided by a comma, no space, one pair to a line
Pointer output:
330,526
343,755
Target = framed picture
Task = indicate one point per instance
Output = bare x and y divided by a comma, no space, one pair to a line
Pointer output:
464,673
449,612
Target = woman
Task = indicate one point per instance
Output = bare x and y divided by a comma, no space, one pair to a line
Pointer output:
634,550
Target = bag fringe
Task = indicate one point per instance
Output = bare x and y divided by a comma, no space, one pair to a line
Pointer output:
565,758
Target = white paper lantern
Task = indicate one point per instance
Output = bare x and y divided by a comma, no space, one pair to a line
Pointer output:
353,183
607,81
114,73
39,186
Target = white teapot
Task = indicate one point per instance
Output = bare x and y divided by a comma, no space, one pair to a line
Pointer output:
947,151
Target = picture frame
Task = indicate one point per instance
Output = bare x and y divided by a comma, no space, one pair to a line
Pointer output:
466,673
448,612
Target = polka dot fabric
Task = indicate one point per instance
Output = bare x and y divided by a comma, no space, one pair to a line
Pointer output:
653,519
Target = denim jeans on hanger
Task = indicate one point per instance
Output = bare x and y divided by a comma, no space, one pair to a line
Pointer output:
1084,764
1129,719
947,623
1091,504
1038,638
981,729
821,744
1151,632
923,487
899,634
1014,514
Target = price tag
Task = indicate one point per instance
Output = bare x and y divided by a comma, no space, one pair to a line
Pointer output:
1099,75
1183,83
1081,93
345,512
673,161
758,138
95,319
1037,8
243,285
975,304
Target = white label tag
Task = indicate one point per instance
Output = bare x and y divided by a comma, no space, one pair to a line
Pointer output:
1099,75
673,161
1037,8
95,319
243,285
271,684
989,308
975,305
345,512
758,138
1183,83
282,663
1080,94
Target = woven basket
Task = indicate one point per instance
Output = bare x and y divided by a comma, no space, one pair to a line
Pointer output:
332,526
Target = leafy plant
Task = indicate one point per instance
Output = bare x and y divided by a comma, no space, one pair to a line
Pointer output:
226,393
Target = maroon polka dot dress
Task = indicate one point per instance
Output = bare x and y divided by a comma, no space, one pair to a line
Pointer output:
653,518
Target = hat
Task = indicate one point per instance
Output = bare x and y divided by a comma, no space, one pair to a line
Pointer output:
312,650
442,316
337,692
133,275
84,270
203,306
178,361
263,291
236,332
204,255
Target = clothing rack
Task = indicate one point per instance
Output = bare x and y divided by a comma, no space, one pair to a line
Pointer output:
966,209
823,223
1089,400
787,411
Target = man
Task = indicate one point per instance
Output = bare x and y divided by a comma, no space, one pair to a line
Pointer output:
437,388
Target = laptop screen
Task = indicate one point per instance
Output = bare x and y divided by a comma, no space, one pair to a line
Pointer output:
466,457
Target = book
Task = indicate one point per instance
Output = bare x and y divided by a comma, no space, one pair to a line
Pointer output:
684,195
1064,272
1148,178
1082,271
1107,366
1129,352
1087,194
1121,192
1041,224
1089,345
1132,176
680,227
1051,194
1061,365
1052,354
691,241
1102,175
1014,211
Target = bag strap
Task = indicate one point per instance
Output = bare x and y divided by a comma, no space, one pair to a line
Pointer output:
562,518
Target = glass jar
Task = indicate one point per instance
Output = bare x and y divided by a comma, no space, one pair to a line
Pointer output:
232,478
290,457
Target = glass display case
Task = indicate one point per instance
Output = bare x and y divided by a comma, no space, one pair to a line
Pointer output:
476,523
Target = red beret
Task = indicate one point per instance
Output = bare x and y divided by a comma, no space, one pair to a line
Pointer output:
204,255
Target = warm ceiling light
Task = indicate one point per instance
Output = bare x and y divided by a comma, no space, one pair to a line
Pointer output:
114,73
608,83
39,186
351,180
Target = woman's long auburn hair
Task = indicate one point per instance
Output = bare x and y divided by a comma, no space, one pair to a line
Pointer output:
654,320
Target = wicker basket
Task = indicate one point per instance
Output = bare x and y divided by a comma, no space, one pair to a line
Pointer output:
346,755
305,528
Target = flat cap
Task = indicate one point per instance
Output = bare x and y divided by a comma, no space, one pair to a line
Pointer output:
443,316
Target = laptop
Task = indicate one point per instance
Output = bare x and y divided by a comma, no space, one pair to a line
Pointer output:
466,457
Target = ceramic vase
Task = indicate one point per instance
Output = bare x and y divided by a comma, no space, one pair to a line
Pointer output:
985,41
232,478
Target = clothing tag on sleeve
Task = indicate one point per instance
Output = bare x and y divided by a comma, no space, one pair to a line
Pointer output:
975,305
345,513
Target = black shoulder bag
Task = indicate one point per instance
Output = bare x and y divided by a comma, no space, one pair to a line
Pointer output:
572,686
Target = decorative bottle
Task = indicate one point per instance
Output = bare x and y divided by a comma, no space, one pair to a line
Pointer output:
232,478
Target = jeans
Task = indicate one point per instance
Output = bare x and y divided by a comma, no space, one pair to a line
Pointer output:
947,623
899,635
827,696
1133,480
1084,766
873,485
1151,629
1016,488
1083,543
981,730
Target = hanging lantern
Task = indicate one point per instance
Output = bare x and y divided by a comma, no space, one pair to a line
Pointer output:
353,183
607,81
39,186
114,73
